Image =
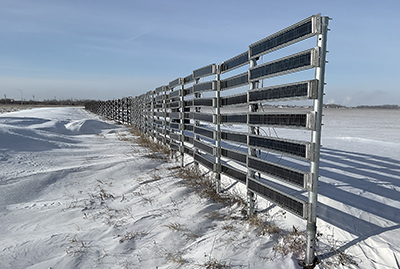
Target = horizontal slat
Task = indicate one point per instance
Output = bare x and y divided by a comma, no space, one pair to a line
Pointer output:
302,121
234,137
188,150
297,149
286,174
175,83
205,86
189,139
235,62
188,79
203,117
290,64
203,102
175,136
204,132
188,103
296,206
290,35
234,100
234,155
236,81
188,91
174,94
304,89
234,173
233,118
204,147
189,127
174,104
205,71
174,115
159,89
174,126
204,161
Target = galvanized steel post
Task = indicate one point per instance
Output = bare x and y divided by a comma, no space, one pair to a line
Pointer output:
316,141
218,133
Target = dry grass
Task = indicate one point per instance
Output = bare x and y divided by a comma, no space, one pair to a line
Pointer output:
204,186
293,242
175,257
132,235
213,263
263,225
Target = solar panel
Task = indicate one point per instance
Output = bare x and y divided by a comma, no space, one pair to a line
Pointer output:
231,118
235,62
293,63
175,83
205,71
286,174
175,136
174,125
204,147
297,149
298,90
188,91
173,104
188,150
234,173
292,34
234,155
189,127
205,86
189,139
159,89
204,132
207,163
174,94
203,102
236,81
234,137
234,100
188,79
203,117
292,204
281,120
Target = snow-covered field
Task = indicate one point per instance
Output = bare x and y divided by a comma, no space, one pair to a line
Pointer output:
77,192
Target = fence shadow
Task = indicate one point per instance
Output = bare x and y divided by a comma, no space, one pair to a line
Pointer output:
368,185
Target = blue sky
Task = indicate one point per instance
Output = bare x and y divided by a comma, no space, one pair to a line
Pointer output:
101,49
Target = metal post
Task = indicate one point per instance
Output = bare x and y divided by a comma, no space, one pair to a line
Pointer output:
251,151
182,123
196,123
218,133
165,115
316,140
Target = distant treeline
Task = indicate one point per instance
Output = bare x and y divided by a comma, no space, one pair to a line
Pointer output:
363,106
54,102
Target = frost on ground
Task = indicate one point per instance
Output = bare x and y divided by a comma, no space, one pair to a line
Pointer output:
78,192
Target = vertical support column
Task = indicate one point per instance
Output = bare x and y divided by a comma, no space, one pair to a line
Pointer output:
165,114
182,122
196,123
152,113
218,133
251,151
316,140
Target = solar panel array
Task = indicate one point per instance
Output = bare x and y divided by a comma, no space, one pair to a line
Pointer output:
179,115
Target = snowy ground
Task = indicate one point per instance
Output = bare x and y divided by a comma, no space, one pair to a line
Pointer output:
75,192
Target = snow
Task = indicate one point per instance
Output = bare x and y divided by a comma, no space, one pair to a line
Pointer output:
77,192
